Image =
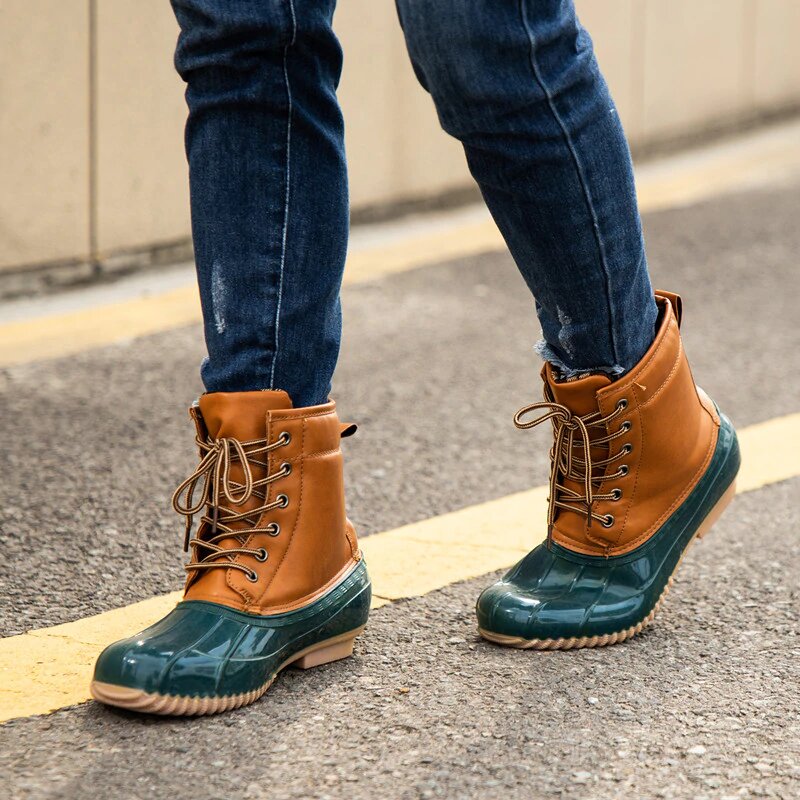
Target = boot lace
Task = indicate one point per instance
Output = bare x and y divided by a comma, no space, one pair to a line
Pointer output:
572,437
213,474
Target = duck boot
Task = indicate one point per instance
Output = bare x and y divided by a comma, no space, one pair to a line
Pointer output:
639,467
275,577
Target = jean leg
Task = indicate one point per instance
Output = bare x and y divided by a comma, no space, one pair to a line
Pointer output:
265,145
516,81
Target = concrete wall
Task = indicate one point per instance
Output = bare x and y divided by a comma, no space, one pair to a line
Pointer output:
91,112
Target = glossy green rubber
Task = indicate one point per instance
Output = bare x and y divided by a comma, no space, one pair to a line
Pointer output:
203,649
554,593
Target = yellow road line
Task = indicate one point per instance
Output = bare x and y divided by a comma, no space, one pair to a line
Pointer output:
671,182
50,668
66,334
771,157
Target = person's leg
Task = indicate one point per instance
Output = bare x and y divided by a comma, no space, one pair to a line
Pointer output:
275,576
517,83
265,144
642,460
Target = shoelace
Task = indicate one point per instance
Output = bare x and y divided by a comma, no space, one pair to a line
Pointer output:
564,463
214,472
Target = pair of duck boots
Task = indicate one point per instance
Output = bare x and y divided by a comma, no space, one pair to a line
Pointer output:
640,466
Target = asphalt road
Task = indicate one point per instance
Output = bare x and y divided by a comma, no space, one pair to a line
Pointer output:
704,704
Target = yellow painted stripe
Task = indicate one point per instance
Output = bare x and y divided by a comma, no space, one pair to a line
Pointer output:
672,182
417,251
769,452
692,182
50,668
65,334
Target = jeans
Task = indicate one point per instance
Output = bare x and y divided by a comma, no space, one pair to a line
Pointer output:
516,81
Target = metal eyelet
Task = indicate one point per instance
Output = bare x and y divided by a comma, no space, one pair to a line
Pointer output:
283,500
273,529
287,468
616,494
608,521
262,556
622,404
252,576
623,469
627,449
285,438
626,426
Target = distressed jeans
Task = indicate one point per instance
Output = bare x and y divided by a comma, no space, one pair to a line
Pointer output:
516,81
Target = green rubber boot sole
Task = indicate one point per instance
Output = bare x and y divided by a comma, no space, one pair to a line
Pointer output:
555,599
204,658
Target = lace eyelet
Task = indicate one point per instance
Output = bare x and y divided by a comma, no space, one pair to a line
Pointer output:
273,529
262,556
627,449
285,438
616,494
287,468
622,404
626,426
607,521
252,576
623,469
283,500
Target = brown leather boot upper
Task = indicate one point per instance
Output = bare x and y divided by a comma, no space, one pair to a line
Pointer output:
651,436
274,473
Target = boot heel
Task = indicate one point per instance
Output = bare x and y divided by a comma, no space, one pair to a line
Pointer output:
716,512
326,652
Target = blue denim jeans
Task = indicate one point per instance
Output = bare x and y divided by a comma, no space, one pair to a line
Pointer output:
516,81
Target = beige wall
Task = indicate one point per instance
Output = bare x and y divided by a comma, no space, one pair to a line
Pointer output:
44,131
141,172
91,112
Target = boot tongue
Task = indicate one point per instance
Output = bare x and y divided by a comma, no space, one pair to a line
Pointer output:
240,415
578,395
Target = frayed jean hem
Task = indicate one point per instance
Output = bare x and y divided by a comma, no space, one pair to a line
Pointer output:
566,372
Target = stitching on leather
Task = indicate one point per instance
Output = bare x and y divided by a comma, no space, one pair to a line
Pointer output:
581,548
352,540
296,517
631,376
638,470
692,483
267,498
312,596
712,411
322,453
243,591
669,377
270,464
310,456
290,417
